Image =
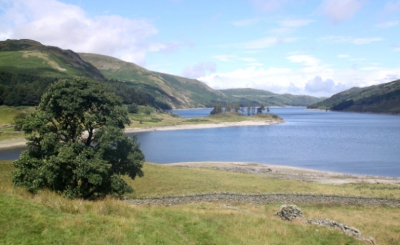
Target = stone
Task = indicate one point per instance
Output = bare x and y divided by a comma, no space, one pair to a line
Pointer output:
290,212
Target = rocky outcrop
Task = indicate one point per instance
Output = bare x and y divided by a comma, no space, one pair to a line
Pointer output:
292,212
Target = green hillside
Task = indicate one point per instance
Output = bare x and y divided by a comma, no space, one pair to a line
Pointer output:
182,92
177,91
255,97
28,56
382,98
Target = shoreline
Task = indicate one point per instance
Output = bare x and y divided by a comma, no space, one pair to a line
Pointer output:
7,144
288,172
204,126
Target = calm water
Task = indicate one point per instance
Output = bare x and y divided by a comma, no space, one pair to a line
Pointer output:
334,141
192,112
353,143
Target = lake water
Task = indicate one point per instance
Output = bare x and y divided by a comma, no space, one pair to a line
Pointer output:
354,143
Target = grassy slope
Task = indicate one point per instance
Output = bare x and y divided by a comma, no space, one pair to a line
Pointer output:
46,218
187,92
7,114
28,56
255,96
179,92
383,98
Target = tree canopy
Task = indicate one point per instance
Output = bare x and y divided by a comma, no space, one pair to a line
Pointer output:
76,144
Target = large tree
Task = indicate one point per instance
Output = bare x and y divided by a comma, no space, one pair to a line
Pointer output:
76,144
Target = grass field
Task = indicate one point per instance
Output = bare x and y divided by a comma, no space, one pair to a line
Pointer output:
7,115
46,218
149,117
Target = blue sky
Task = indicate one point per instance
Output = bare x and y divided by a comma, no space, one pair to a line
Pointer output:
285,46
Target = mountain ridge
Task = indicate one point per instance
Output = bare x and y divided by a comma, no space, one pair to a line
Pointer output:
31,57
165,87
381,98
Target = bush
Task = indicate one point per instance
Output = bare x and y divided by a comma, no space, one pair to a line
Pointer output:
133,108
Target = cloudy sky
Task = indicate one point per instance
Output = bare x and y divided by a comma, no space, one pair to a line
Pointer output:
285,46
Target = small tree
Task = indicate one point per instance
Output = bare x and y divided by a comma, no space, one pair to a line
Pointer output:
133,108
217,109
76,144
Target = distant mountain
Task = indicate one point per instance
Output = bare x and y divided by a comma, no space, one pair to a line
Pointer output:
382,98
255,97
177,91
28,56
182,92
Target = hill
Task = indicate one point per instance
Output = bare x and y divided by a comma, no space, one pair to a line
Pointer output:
32,64
28,56
256,97
382,98
179,92
182,92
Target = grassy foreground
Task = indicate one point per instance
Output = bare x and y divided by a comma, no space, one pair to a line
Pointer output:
46,218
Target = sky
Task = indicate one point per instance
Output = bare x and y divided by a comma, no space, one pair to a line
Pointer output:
310,47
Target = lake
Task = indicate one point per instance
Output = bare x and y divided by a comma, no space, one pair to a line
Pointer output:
353,143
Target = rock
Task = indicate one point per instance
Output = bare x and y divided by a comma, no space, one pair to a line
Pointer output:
290,212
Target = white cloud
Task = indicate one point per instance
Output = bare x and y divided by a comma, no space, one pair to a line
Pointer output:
387,24
248,59
317,85
248,22
268,5
224,57
344,39
67,26
396,48
340,10
308,80
289,25
267,42
392,6
343,56
294,23
308,62
199,70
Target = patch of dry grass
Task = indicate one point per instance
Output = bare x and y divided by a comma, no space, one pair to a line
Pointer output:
162,180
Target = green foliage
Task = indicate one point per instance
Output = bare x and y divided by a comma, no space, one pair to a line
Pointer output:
19,121
382,98
133,108
217,109
256,97
76,144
